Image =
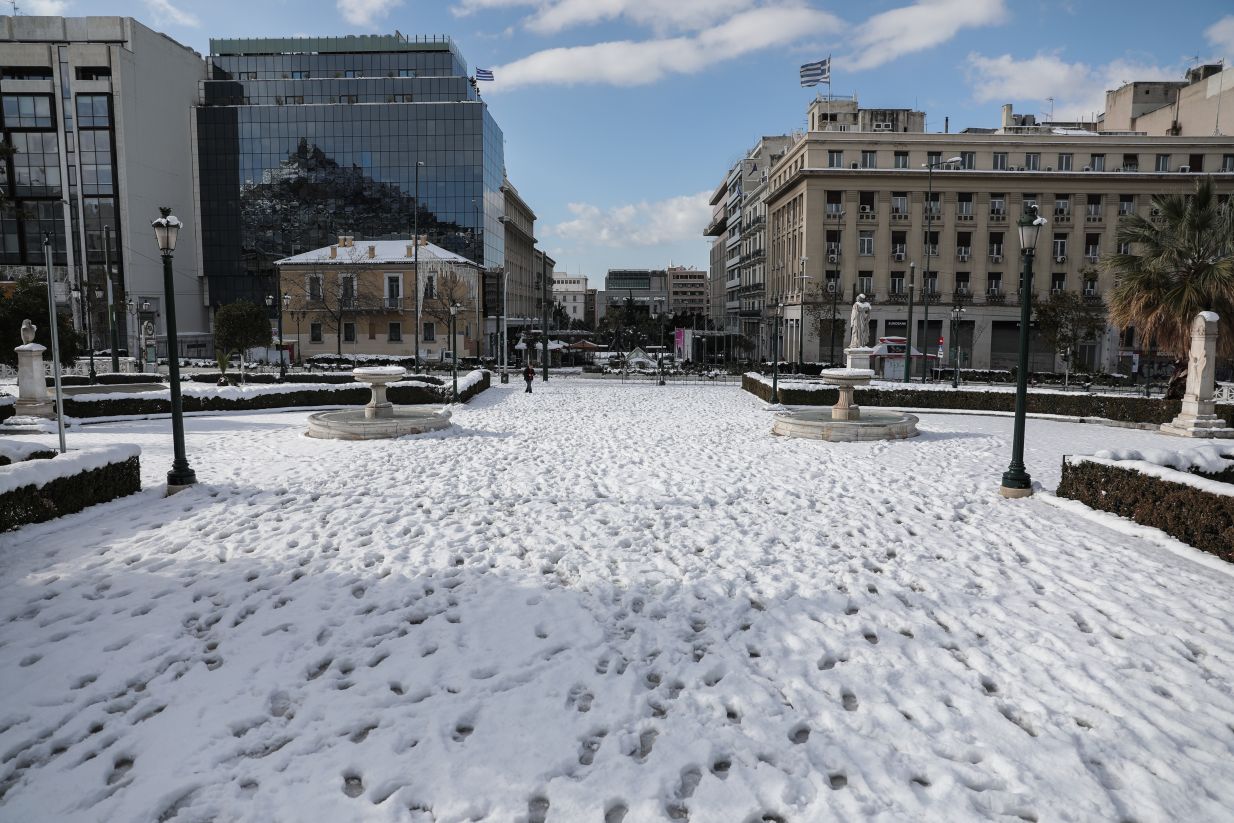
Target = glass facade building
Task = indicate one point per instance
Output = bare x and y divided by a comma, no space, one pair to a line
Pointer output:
303,139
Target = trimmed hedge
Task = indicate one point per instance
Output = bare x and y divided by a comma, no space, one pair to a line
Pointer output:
1126,409
39,455
264,378
358,396
66,495
1199,519
107,379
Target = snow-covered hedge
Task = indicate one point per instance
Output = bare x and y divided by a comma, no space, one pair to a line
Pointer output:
198,397
108,378
343,378
15,451
36,490
1194,509
1124,408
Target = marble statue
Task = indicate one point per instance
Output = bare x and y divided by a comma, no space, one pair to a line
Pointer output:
859,324
1198,415
27,331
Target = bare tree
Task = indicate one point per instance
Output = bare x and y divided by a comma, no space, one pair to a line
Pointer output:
443,290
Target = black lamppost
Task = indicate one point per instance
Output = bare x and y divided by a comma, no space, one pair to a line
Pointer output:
454,307
833,286
775,355
926,291
908,340
83,294
1016,482
166,231
111,301
415,264
801,315
956,313
278,303
134,311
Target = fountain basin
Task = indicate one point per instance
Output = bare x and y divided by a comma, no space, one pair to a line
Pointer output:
822,424
356,424
377,377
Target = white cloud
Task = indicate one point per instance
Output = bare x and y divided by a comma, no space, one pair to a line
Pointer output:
165,14
1078,89
922,25
44,8
365,12
1221,36
632,63
654,223
552,16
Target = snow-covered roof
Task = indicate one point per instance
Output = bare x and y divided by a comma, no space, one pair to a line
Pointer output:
384,251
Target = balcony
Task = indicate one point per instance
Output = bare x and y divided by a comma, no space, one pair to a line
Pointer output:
834,214
995,297
1093,216
1062,217
961,296
964,216
931,296
962,253
868,213
393,303
896,298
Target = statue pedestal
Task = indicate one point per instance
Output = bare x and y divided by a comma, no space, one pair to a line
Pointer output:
32,397
859,358
1198,417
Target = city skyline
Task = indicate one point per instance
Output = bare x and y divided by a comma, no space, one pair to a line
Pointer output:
596,103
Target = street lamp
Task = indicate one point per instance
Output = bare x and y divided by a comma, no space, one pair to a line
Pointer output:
166,231
833,287
83,294
415,264
1016,482
454,307
801,314
908,340
111,303
135,311
775,351
278,305
929,249
957,312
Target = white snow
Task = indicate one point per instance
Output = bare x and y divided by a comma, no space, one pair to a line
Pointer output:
41,472
1161,472
256,389
600,597
16,450
1209,459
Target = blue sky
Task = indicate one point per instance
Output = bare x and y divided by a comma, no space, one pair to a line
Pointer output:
621,116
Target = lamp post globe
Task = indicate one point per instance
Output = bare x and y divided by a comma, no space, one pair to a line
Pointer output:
166,232
1016,481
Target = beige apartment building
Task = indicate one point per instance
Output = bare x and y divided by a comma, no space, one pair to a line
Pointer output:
520,268
859,208
687,290
360,296
571,294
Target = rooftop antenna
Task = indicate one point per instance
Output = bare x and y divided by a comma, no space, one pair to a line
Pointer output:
16,8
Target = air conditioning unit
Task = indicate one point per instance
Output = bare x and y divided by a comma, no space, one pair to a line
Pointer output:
1088,168
854,166
867,209
1155,212
899,256
1060,212
1019,168
996,258
832,258
1062,258
1184,169
1049,168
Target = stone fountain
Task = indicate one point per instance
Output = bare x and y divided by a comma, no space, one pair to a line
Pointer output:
846,421
379,419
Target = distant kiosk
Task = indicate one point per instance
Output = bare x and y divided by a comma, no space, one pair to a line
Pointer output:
889,358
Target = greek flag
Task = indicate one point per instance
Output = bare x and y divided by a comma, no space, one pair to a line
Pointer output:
484,74
814,73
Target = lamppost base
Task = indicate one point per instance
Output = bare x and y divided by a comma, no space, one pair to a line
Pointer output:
1015,493
179,480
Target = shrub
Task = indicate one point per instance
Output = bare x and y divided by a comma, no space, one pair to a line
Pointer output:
108,379
358,396
1125,408
1196,517
66,495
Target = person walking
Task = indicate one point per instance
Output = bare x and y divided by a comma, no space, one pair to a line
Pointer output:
529,375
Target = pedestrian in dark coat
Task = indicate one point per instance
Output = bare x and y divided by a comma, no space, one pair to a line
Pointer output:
529,375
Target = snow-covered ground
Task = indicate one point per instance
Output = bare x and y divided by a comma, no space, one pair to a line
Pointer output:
603,602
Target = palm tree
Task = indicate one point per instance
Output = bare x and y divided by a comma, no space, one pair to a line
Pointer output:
1179,266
